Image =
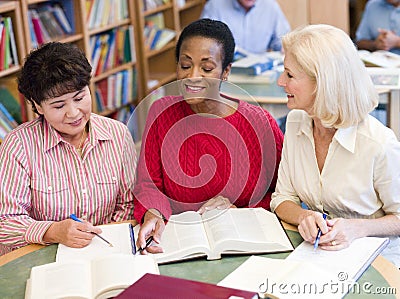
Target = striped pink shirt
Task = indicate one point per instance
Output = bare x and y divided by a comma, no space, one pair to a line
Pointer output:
43,179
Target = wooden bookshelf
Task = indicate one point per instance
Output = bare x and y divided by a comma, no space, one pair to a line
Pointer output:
8,74
159,66
85,33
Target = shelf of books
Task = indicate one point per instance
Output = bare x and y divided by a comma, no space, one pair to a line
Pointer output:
130,44
12,52
104,29
159,24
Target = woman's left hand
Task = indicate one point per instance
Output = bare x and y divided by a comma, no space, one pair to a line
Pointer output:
218,202
342,232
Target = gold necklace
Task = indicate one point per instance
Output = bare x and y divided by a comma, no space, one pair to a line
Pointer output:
79,149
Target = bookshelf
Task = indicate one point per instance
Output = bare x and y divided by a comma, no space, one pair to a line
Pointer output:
158,64
12,54
105,30
131,76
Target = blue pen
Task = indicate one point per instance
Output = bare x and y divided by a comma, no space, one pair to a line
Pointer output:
319,234
73,217
132,239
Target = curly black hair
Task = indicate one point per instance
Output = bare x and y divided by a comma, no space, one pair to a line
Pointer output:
52,70
213,29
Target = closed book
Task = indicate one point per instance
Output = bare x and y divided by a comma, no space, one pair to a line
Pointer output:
59,14
151,286
252,65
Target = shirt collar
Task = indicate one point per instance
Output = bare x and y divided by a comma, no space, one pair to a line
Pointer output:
345,137
97,132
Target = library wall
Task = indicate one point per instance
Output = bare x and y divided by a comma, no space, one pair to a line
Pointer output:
130,44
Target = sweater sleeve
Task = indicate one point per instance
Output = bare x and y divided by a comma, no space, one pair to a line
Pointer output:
149,189
278,138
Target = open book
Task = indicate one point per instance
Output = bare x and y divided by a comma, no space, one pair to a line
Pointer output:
380,58
232,231
314,274
99,278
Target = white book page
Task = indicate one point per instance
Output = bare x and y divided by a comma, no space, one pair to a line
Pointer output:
184,235
119,271
59,280
282,278
380,58
250,229
352,260
117,234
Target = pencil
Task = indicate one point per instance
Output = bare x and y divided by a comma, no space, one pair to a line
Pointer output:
73,217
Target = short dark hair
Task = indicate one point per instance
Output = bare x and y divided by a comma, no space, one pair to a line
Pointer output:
213,29
52,70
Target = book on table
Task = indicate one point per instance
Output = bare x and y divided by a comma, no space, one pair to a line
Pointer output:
313,274
95,271
231,231
191,235
101,277
380,58
172,288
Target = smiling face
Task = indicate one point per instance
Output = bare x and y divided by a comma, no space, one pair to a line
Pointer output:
298,85
68,114
200,69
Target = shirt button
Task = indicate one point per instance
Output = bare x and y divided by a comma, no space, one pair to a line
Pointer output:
49,188
84,191
114,178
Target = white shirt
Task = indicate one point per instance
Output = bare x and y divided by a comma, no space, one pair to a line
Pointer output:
360,177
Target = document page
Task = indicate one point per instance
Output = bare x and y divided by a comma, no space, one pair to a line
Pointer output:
184,237
352,260
248,230
117,234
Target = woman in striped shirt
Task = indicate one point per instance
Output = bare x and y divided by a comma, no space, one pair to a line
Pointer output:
66,161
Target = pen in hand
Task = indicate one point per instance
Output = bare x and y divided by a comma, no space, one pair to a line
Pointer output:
319,234
73,217
148,242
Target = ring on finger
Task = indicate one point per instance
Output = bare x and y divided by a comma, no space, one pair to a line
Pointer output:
333,243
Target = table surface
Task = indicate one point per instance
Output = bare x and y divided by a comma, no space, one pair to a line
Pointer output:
15,269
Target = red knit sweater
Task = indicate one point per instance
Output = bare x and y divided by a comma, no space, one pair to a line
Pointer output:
187,159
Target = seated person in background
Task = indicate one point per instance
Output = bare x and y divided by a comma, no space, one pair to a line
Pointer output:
202,150
66,161
379,28
257,25
336,158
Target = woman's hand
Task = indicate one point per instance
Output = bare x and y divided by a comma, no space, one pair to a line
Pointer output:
71,233
309,225
337,233
342,232
153,225
218,202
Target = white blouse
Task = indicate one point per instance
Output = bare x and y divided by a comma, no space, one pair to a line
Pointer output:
360,177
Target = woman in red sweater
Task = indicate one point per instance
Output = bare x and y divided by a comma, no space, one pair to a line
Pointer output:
203,150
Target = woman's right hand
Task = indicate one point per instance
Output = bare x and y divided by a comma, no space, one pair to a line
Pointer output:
71,233
309,225
153,225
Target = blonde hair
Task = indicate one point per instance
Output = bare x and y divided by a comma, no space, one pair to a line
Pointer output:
344,92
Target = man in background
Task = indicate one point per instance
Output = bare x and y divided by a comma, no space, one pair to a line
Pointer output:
379,28
257,25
